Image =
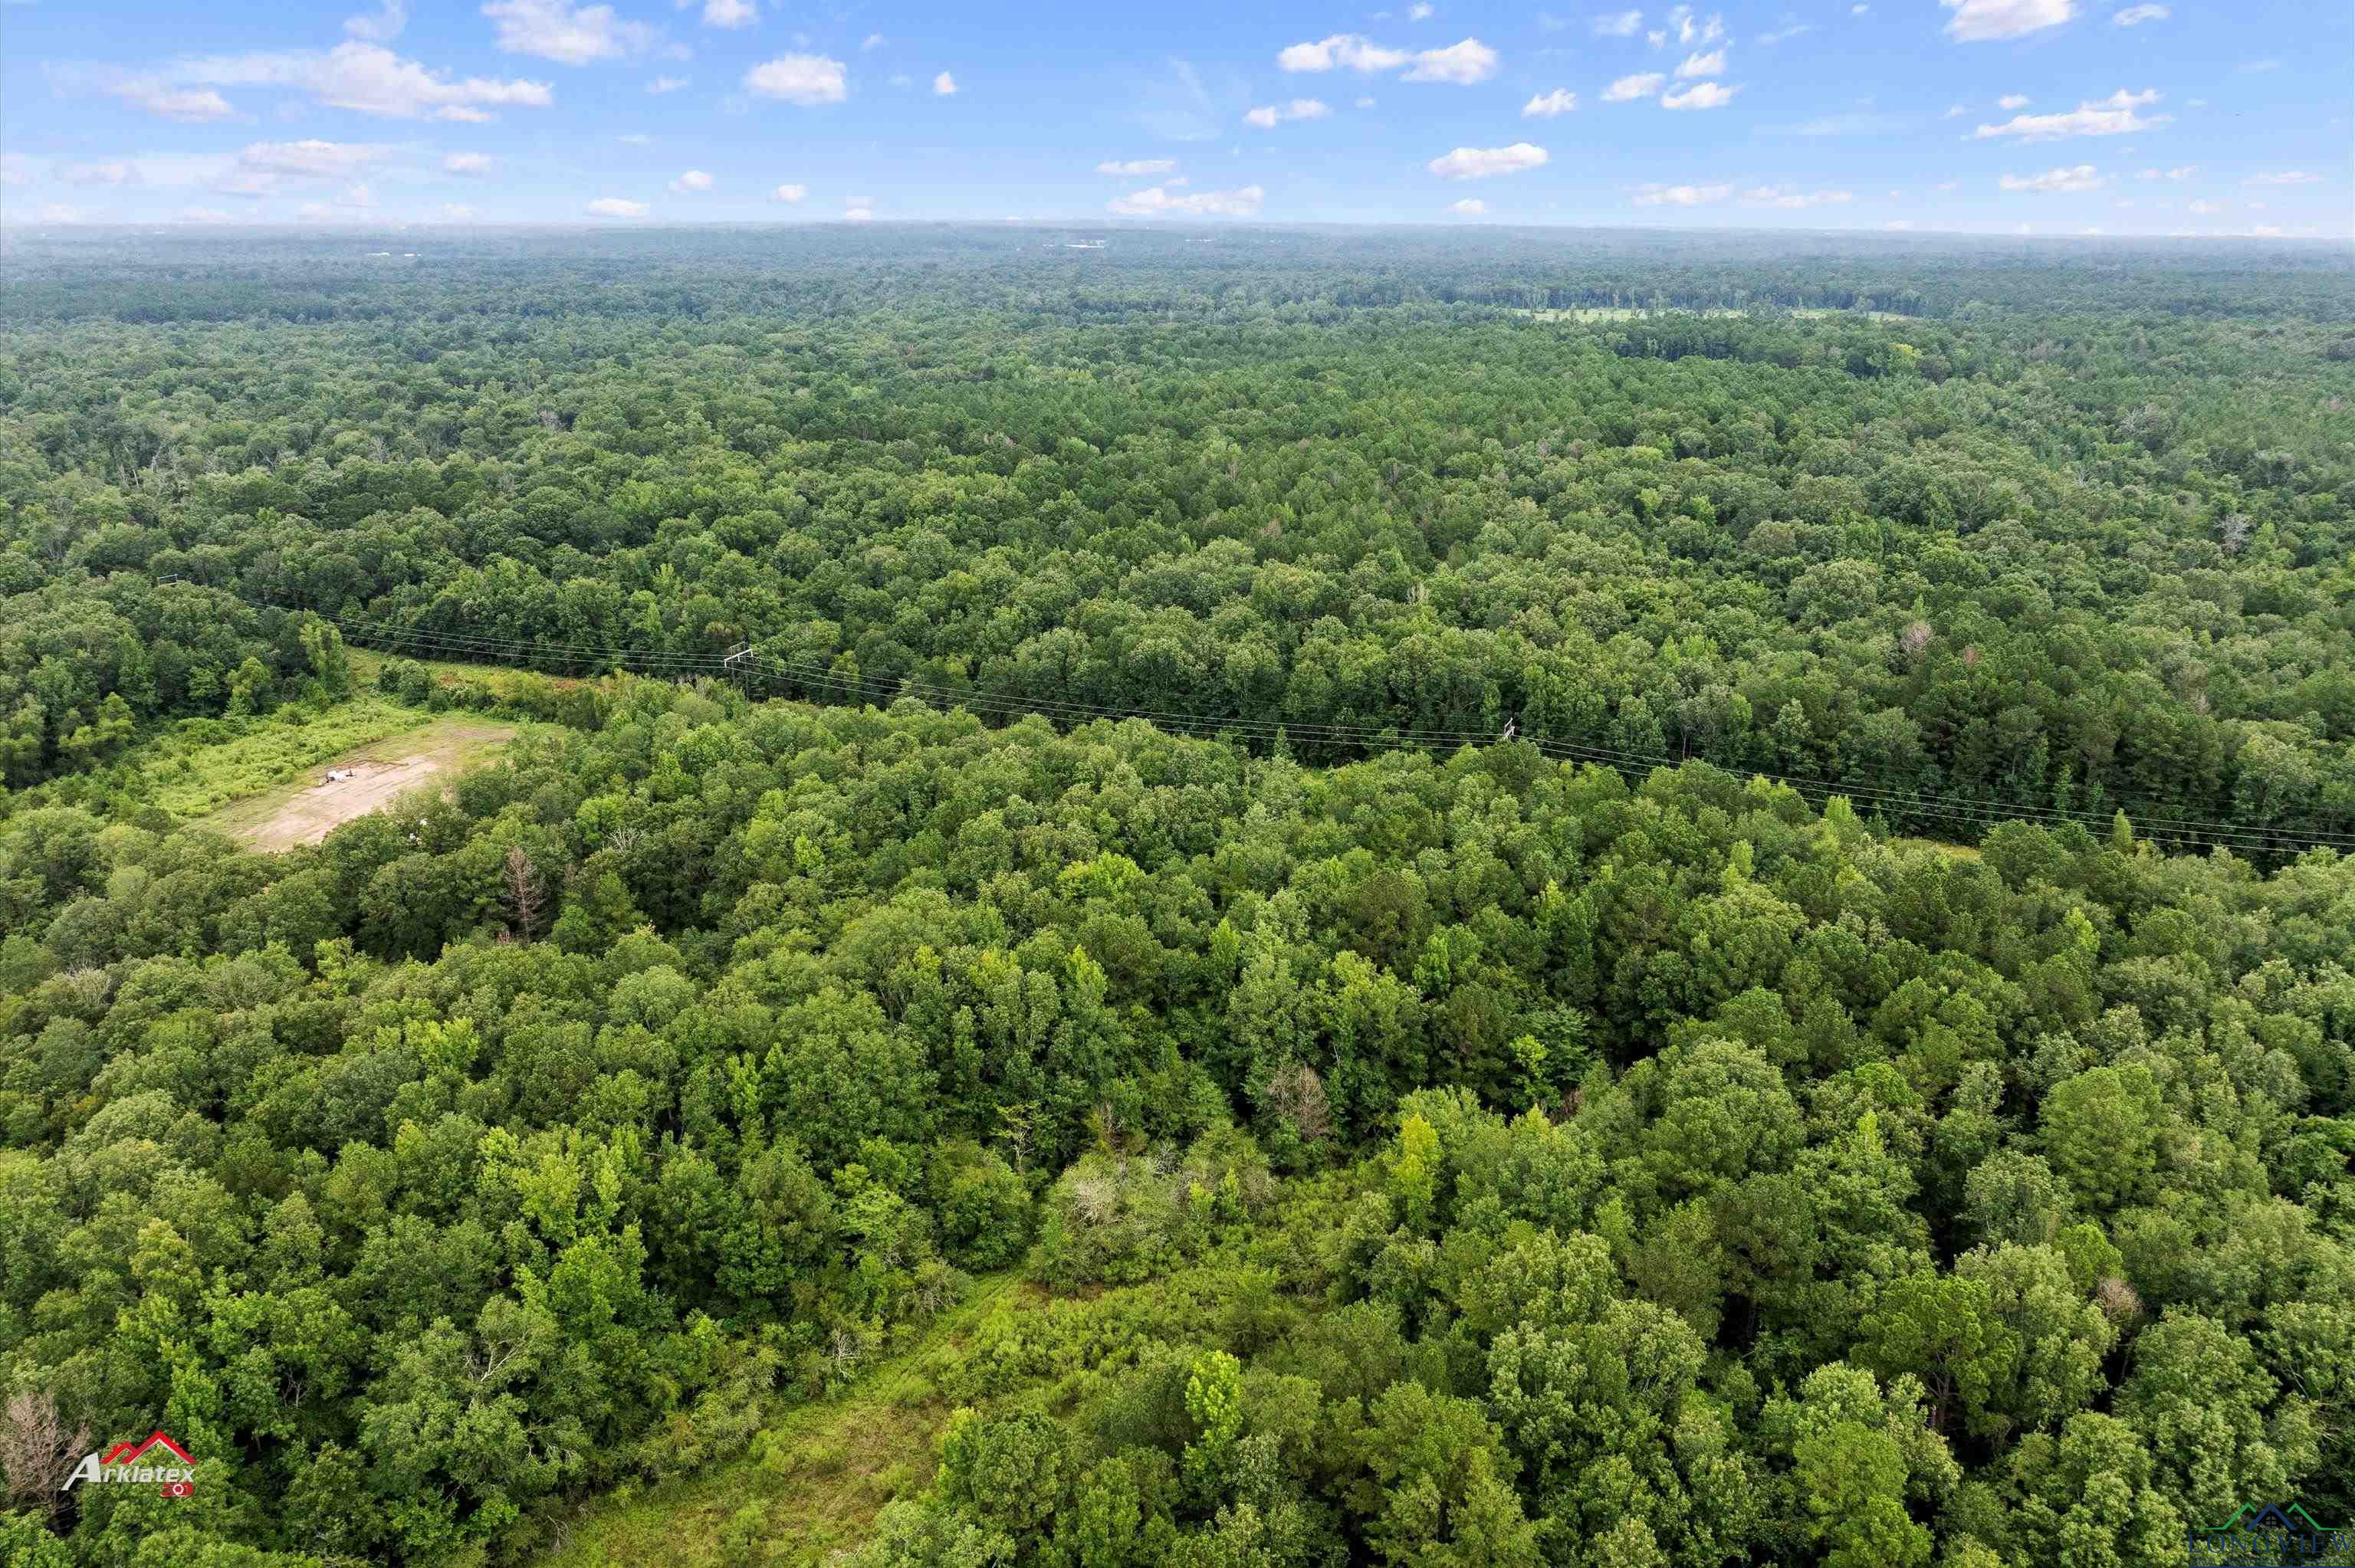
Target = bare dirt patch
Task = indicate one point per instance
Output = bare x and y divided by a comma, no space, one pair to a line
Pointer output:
324,797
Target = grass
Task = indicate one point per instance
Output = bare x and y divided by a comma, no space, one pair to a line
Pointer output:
500,678
812,1483
201,765
295,808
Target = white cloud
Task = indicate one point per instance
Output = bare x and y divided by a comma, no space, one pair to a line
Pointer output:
473,164
1546,105
1481,163
1154,201
903,79
2288,177
788,194
667,84
1470,206
1627,87
1353,50
569,35
729,13
189,105
873,41
1709,64
2135,16
382,27
859,215
2013,101
693,180
945,86
1138,166
1793,197
799,79
1366,101
615,207
1680,195
112,174
203,215
310,159
1793,31
1618,23
1462,64
1700,95
458,212
2111,116
1658,41
2054,181
2207,208
1272,115
633,138
1983,21
1690,31
1418,12
2181,172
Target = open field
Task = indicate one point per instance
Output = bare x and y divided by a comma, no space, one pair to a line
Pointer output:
303,810
203,765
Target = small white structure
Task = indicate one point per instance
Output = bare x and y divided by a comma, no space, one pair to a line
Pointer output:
337,775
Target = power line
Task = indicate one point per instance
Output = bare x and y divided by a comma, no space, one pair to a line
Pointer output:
795,672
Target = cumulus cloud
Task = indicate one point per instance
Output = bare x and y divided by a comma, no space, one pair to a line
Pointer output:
2286,177
2013,101
859,215
569,34
945,86
1617,23
788,194
1154,201
1462,64
1418,12
382,27
111,174
1470,206
366,79
800,78
1791,196
1680,195
191,106
2111,116
472,163
1352,52
873,41
616,206
1692,29
1629,87
729,13
2135,16
1709,64
311,158
667,84
1700,95
1269,117
1546,105
1986,21
691,181
2054,181
1484,163
1137,166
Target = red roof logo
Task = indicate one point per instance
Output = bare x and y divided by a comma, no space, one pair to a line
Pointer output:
128,1452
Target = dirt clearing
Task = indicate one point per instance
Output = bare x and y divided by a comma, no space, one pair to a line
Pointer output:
331,793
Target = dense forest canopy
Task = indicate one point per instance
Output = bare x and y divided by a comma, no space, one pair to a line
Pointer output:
1439,1156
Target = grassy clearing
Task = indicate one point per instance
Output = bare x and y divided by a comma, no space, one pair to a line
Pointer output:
298,807
810,1485
366,665
201,765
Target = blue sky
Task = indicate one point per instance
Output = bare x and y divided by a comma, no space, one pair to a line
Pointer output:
2122,116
